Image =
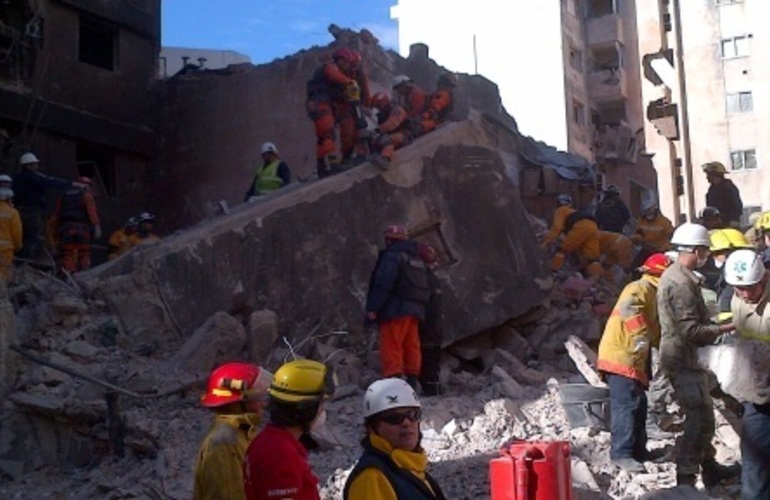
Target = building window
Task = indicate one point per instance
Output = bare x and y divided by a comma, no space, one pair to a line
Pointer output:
737,46
740,102
578,112
743,160
576,59
97,43
727,2
599,8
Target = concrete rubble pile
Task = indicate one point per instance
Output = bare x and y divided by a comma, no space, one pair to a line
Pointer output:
502,385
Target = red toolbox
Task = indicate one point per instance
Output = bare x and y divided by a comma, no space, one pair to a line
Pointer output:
532,470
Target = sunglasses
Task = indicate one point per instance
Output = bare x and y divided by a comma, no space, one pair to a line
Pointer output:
397,418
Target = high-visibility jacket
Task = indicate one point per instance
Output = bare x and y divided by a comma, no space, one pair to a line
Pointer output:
654,234
385,473
219,471
616,249
631,330
267,178
583,239
557,226
752,320
118,243
10,227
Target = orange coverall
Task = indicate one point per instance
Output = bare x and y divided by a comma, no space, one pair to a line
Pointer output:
557,225
654,234
617,249
75,233
10,237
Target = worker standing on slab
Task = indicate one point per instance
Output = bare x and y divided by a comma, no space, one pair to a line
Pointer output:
632,330
11,236
272,175
431,330
439,106
391,132
276,464
750,308
393,465
236,394
77,224
399,292
685,326
611,213
29,199
410,96
119,242
722,194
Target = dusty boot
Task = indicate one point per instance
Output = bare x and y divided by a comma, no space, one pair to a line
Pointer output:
629,465
714,473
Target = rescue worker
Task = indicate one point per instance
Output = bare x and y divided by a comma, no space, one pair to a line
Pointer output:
439,106
29,187
10,229
685,326
144,231
411,97
393,464
119,242
754,234
616,249
745,271
333,95
236,394
564,208
624,360
722,194
276,465
273,174
431,331
581,245
398,294
77,224
611,213
763,226
391,132
653,230
711,218
723,243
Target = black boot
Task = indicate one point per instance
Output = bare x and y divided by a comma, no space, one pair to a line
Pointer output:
714,473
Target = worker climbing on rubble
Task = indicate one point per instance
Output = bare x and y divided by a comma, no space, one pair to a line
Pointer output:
236,394
632,330
399,292
723,243
144,231
10,228
722,194
29,187
119,242
611,213
564,208
77,225
711,218
439,106
334,96
393,464
745,271
685,326
410,96
276,465
580,245
653,231
431,330
391,132
617,251
273,174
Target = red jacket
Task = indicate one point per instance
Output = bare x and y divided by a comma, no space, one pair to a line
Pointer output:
276,468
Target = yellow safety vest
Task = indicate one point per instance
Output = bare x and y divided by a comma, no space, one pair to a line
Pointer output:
267,178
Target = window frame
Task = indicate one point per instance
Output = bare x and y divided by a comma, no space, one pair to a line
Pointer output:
733,41
744,155
737,96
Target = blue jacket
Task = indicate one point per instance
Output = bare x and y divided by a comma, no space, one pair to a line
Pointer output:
397,287
29,188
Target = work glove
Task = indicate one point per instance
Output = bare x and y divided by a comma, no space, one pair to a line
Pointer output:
97,231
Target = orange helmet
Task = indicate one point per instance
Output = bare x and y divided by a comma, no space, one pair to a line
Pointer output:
233,382
655,264
395,232
347,55
381,100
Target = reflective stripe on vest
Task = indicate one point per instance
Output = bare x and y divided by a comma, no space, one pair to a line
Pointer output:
267,178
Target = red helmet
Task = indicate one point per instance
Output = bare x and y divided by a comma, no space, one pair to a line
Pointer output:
655,264
427,253
347,55
235,382
381,100
395,232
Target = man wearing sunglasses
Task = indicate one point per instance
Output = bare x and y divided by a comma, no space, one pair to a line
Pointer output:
745,271
393,464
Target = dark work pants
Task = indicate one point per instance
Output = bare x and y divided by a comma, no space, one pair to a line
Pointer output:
693,447
431,365
32,232
755,452
628,417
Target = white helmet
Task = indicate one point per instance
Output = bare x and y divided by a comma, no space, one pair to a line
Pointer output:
269,147
744,267
690,235
389,393
564,199
650,204
28,158
5,179
400,80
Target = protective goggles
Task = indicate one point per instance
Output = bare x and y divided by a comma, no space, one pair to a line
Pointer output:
397,417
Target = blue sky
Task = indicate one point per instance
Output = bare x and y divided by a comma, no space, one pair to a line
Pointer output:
269,29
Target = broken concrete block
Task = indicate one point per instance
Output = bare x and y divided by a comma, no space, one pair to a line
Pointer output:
67,304
518,370
220,339
508,385
582,477
81,349
508,339
262,333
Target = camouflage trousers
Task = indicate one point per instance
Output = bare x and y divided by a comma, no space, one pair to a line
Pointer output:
693,447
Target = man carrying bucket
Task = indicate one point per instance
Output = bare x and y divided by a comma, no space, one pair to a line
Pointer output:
624,361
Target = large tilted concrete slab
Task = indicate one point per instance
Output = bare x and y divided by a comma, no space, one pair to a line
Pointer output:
307,253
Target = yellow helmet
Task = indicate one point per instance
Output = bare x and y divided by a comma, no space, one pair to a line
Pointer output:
727,239
300,380
763,222
714,167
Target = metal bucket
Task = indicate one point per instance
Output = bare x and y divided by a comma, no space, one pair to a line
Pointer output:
586,405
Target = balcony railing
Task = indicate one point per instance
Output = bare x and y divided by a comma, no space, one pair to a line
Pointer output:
608,85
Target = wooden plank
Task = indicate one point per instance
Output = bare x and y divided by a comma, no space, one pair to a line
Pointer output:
584,359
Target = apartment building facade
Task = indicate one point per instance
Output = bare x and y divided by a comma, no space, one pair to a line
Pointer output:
574,82
727,87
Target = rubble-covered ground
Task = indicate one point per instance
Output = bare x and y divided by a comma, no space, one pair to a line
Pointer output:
501,385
